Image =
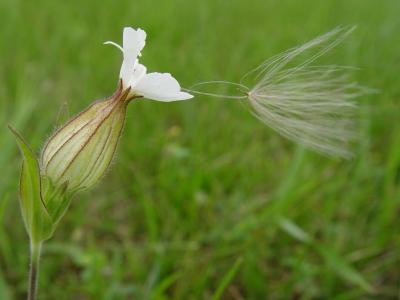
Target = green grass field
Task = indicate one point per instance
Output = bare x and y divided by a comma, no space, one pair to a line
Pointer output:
202,200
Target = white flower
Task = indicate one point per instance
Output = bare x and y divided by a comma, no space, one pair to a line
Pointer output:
154,86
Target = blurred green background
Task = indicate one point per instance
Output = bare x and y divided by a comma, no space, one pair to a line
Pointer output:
203,201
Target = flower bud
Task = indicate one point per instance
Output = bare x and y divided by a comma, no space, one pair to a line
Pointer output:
79,153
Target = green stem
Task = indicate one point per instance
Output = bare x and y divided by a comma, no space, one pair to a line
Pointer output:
36,248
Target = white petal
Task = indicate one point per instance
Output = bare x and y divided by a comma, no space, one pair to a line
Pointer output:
133,43
161,87
138,73
134,40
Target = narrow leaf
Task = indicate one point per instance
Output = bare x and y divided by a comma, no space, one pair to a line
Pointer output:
227,279
343,269
37,221
337,264
295,231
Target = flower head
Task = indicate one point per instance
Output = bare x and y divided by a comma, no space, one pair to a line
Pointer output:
134,76
79,153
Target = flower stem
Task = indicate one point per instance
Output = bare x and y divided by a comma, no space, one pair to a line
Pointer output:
36,248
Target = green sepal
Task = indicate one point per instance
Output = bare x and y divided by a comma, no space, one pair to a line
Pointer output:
57,199
38,222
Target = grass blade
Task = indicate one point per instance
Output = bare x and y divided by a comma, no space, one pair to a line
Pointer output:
227,279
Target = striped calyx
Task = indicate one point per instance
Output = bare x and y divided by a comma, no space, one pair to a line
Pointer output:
79,153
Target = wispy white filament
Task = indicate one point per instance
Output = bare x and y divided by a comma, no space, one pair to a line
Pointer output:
311,105
239,86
